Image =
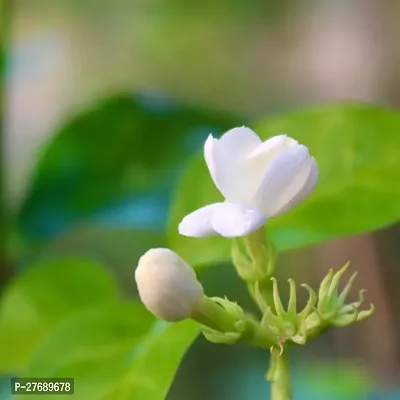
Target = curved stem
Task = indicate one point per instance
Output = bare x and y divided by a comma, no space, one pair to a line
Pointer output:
279,376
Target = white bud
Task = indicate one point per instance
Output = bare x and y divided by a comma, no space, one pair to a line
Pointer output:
167,285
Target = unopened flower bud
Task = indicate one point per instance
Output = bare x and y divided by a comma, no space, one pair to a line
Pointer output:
167,285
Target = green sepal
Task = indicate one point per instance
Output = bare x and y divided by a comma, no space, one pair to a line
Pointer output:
287,324
230,307
220,337
241,261
253,257
224,321
331,308
218,314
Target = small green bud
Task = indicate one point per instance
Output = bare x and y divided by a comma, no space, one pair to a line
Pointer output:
331,308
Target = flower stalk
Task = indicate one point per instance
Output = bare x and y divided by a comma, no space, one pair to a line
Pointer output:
254,260
279,376
210,314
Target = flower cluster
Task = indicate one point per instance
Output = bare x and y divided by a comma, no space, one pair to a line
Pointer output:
259,180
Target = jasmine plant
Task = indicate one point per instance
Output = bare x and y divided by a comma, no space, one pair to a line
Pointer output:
259,180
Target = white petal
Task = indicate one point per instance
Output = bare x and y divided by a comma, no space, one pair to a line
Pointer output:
259,160
308,185
226,157
284,179
272,147
209,155
233,220
198,223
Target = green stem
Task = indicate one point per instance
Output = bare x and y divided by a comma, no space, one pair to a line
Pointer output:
255,336
279,376
256,266
210,314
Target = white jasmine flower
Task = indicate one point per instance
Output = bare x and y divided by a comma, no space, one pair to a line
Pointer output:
258,179
167,285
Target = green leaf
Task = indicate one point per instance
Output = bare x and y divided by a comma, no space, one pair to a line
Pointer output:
35,302
156,362
118,249
356,147
121,144
114,351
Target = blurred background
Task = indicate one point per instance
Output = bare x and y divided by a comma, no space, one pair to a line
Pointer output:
106,100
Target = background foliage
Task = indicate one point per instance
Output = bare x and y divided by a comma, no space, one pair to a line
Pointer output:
107,107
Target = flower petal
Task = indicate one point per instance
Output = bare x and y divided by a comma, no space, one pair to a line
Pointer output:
225,158
259,160
308,185
233,220
272,147
210,155
283,181
198,223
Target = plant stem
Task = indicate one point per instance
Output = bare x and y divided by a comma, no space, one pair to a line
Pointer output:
212,315
279,376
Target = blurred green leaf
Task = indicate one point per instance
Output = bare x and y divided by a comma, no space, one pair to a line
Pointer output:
35,302
357,150
118,249
156,362
119,145
114,351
